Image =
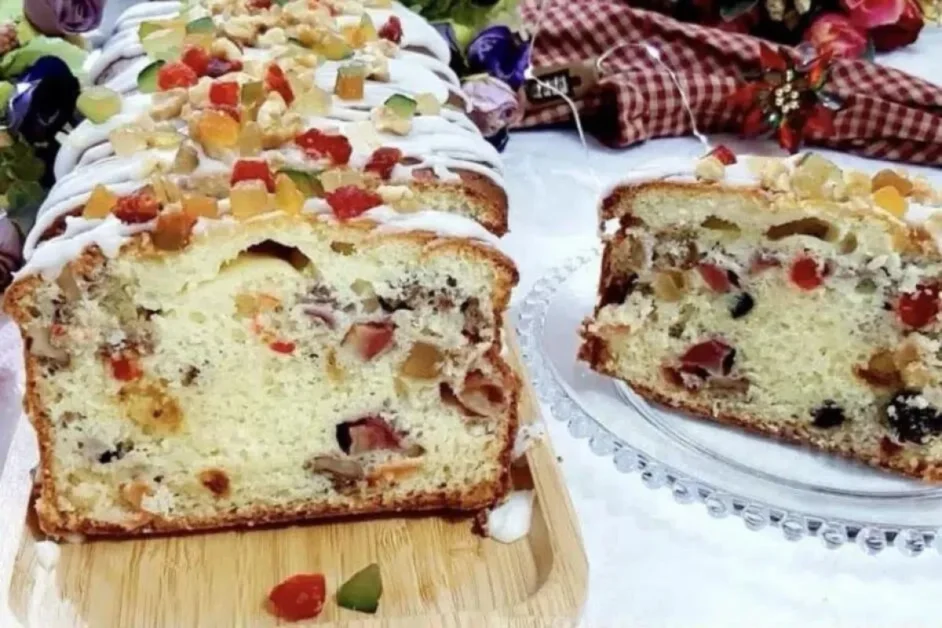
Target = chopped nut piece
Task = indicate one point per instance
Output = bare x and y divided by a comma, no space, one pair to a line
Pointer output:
198,95
710,168
385,119
173,230
225,49
100,203
271,38
169,104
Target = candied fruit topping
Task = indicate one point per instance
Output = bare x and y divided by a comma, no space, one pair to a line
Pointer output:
717,278
276,81
172,75
919,308
349,201
427,105
173,230
125,367
99,104
248,199
218,129
186,160
100,203
138,207
318,144
382,161
200,206
392,30
224,93
369,339
251,170
890,199
714,356
288,198
196,58
351,81
724,155
299,597
220,67
312,102
891,178
806,273
282,346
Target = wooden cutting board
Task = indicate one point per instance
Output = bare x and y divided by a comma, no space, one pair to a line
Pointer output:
435,571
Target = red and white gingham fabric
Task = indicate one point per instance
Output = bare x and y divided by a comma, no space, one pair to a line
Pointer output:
887,114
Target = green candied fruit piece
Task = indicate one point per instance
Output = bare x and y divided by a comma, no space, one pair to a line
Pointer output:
201,25
165,45
99,104
335,48
402,106
147,27
308,183
362,591
147,79
252,92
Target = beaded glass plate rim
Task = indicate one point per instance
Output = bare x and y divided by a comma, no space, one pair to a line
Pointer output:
757,515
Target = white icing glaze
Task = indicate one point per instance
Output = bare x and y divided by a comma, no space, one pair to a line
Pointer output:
510,521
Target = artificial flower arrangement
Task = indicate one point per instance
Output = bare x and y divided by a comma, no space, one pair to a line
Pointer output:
39,85
839,28
490,51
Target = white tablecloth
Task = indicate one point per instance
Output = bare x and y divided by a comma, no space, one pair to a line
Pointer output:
654,562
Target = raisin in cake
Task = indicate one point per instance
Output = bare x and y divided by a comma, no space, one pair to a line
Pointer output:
348,106
787,297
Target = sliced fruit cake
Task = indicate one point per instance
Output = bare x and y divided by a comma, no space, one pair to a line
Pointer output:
789,297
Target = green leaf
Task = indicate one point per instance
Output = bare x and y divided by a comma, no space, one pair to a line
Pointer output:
29,168
24,198
15,62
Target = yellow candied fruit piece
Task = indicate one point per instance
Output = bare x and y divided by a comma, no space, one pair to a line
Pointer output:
217,129
427,105
811,174
351,81
200,206
288,198
250,140
892,179
248,199
312,102
100,203
127,140
891,200
340,177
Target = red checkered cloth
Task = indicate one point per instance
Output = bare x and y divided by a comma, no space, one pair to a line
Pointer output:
888,114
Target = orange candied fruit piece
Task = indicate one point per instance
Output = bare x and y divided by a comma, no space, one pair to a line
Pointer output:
893,179
173,229
175,74
217,128
200,206
890,199
100,203
351,81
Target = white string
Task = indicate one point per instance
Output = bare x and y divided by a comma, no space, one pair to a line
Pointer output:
655,55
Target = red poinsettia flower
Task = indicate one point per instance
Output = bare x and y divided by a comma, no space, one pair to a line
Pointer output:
833,34
786,98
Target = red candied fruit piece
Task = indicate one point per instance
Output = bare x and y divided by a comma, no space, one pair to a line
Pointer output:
725,155
220,67
392,30
716,277
175,74
371,433
137,207
918,309
299,597
382,161
231,111
196,58
806,273
349,201
714,356
224,93
125,368
282,346
261,5
275,81
317,144
251,170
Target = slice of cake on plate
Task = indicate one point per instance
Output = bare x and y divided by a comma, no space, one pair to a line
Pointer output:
788,297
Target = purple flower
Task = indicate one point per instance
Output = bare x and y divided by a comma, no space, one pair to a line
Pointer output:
44,100
11,251
496,106
500,52
61,17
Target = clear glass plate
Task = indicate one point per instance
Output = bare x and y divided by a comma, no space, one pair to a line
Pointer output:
764,482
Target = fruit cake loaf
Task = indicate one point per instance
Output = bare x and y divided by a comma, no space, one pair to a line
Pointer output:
190,373
373,114
787,297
